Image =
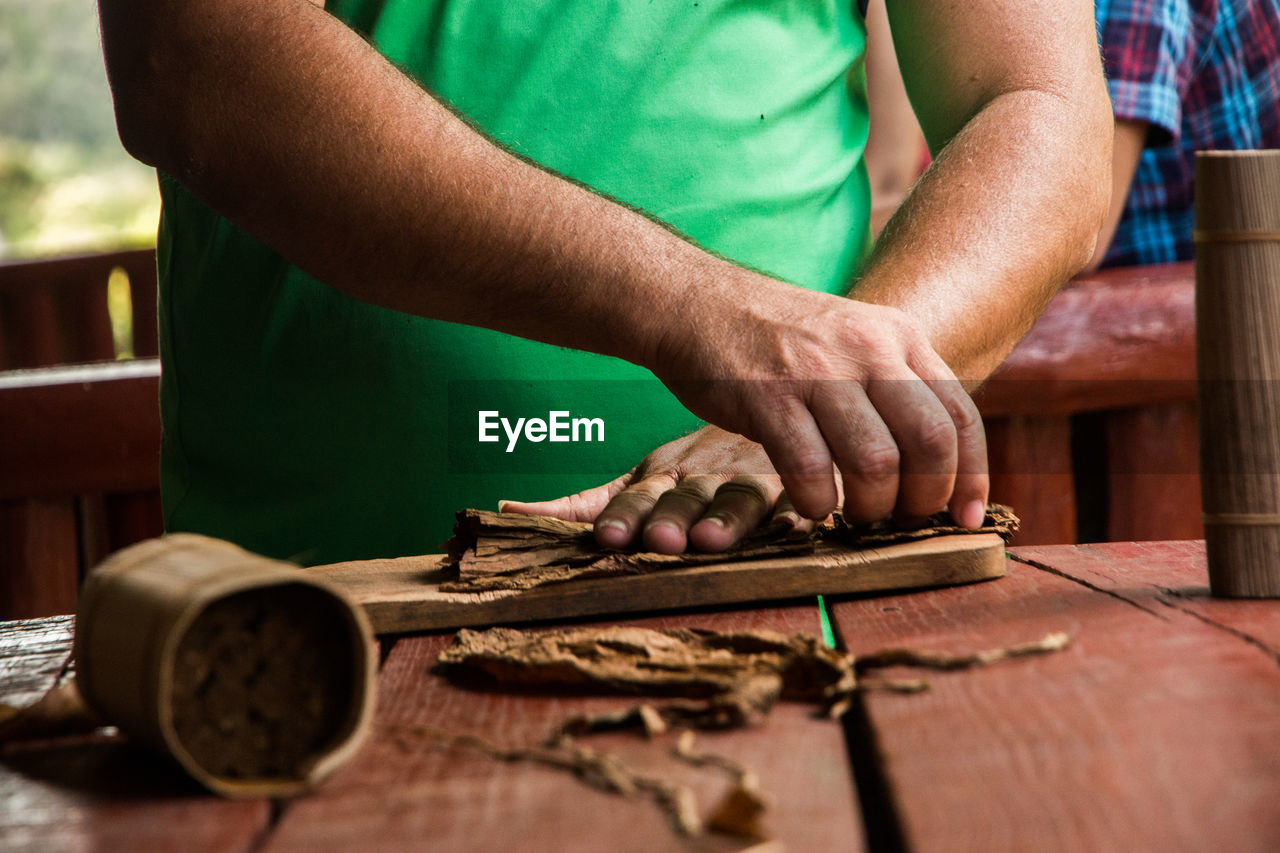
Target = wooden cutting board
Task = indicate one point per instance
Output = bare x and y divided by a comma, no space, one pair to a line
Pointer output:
402,595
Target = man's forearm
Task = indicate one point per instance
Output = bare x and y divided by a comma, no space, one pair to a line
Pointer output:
338,136
1130,142
1007,213
1015,106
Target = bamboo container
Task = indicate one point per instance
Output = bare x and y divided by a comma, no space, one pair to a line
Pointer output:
1238,365
257,679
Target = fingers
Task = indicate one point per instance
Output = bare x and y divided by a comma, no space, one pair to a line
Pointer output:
865,450
737,508
798,450
709,472
894,443
583,506
676,511
619,522
968,501
906,446
785,514
703,510
926,440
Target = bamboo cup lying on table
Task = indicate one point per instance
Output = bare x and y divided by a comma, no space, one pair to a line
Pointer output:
256,678
1238,365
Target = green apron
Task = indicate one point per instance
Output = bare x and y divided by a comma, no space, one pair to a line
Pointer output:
307,425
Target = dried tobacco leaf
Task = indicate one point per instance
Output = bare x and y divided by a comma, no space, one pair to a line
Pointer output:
505,551
742,809
603,770
943,661
740,675
735,677
740,813
1000,519
493,551
495,542
729,679
59,712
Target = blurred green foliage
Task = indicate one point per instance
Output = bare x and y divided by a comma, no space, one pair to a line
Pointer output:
66,184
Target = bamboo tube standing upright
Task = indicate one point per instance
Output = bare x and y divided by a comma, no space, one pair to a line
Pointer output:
1238,364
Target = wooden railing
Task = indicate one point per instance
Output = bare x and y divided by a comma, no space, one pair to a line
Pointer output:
79,446
1090,422
79,476
55,312
1093,416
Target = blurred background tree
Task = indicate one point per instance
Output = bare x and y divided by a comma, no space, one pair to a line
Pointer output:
66,184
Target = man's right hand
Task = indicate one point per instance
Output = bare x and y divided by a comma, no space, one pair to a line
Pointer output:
821,380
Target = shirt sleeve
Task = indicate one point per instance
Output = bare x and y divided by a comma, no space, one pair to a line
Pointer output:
1146,54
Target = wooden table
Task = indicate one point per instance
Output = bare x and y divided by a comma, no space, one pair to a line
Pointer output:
1157,729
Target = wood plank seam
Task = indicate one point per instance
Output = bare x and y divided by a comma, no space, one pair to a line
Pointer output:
1088,750
1186,591
876,805
876,808
1170,596
276,807
1084,583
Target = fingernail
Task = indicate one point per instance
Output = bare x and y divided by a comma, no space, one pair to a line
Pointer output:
502,505
973,514
790,518
716,520
611,524
654,525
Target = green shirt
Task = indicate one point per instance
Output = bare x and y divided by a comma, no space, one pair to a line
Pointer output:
305,424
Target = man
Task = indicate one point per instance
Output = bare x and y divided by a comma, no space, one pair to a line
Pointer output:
304,419
1185,76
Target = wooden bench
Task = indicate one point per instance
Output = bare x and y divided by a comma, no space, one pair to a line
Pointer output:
1091,423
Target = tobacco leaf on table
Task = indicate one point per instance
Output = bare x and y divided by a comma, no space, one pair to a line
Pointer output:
712,680
505,551
739,676
726,679
607,772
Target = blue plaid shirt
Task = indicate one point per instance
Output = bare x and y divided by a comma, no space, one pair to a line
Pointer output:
1203,74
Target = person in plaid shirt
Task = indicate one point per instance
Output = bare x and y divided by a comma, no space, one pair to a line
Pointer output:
1185,76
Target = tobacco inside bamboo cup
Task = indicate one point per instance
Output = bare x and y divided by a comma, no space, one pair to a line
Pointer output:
1238,363
256,678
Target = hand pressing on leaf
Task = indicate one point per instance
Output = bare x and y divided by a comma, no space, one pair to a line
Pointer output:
705,490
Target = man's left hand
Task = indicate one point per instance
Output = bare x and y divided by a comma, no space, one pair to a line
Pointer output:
705,490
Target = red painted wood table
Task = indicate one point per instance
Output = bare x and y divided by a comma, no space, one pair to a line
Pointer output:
1157,729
